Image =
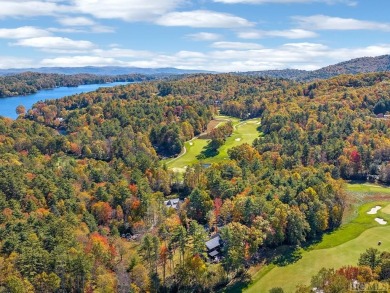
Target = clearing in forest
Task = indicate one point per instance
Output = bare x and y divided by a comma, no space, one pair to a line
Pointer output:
245,131
339,248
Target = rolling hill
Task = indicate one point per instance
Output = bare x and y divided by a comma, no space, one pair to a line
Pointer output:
104,70
354,66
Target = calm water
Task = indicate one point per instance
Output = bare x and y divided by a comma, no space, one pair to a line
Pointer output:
8,105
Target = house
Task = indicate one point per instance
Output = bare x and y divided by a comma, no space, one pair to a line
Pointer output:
214,246
173,203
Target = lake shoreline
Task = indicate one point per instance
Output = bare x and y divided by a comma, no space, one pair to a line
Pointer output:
8,104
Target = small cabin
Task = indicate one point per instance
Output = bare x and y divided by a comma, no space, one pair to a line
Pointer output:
214,246
173,203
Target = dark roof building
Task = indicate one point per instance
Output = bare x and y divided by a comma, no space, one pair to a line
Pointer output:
214,246
213,243
172,203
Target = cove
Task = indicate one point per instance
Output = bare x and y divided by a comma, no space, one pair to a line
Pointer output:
8,105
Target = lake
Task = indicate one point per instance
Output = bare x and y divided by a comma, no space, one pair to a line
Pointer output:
8,105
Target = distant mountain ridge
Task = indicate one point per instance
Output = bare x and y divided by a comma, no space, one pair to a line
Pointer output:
354,66
105,70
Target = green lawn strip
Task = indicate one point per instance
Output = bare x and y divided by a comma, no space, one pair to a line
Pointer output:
227,118
367,188
354,228
339,248
386,210
360,193
193,147
288,277
246,131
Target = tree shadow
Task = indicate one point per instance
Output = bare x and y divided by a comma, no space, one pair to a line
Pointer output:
283,256
208,152
238,285
290,257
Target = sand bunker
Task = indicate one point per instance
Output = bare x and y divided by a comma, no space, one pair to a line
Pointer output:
381,221
373,211
237,139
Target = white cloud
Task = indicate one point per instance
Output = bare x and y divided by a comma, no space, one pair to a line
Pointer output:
190,54
59,44
29,8
324,22
22,32
122,53
80,61
76,21
15,62
289,34
102,29
128,10
348,2
80,21
203,19
236,45
67,30
204,36
302,55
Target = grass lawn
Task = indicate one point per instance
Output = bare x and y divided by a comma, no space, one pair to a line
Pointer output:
367,188
244,132
193,148
290,276
386,210
356,227
340,248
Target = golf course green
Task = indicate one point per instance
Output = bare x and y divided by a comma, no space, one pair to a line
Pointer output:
339,248
245,131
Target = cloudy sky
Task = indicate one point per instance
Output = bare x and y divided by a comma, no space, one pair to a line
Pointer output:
218,35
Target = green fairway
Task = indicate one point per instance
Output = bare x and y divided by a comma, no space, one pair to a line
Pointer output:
337,249
244,132
367,188
386,210
193,148
290,276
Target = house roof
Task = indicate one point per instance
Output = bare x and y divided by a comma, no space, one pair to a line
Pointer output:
214,253
172,203
213,243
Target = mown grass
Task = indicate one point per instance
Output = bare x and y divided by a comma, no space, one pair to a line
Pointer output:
367,188
337,249
193,148
288,277
244,132
354,228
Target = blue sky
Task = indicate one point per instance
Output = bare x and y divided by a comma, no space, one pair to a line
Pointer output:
218,35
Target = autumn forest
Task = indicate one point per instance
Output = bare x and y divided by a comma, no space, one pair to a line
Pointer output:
84,191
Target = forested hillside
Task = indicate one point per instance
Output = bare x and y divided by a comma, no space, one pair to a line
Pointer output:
30,82
83,193
103,70
353,66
